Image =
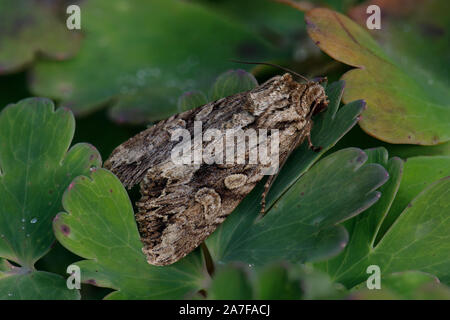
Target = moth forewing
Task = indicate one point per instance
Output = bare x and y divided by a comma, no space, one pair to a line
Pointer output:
183,203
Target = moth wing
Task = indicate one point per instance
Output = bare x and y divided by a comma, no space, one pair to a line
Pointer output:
131,160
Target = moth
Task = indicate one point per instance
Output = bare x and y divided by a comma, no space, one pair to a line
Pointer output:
182,204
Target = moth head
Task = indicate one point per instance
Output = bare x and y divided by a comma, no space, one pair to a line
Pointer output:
314,98
309,98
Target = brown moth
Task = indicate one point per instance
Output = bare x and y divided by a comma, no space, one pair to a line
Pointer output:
182,204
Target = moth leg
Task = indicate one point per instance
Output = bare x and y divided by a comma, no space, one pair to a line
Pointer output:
267,186
309,128
310,144
293,146
272,178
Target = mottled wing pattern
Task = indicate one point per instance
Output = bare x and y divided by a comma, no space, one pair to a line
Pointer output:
181,205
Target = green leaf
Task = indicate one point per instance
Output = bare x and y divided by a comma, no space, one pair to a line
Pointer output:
99,225
274,20
303,224
226,84
318,285
270,19
408,285
232,82
31,27
230,283
35,169
356,137
363,228
4,265
402,107
190,100
15,284
416,39
341,6
161,49
275,281
37,285
407,151
418,240
419,172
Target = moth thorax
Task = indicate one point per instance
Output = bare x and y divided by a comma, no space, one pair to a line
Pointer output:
314,97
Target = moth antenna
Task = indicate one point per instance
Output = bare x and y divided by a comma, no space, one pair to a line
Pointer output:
275,66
